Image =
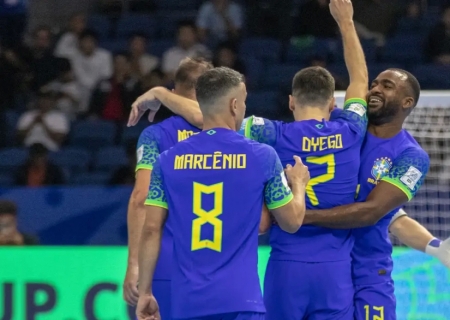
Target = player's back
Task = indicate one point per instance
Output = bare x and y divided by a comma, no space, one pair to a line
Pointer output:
402,162
214,185
154,140
331,150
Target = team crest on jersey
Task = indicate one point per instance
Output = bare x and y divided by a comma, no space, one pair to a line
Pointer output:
381,167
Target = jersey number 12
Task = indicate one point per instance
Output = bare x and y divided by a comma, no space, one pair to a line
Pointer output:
207,217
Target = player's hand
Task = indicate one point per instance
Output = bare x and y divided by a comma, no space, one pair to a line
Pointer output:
147,308
341,10
298,173
130,289
443,253
145,102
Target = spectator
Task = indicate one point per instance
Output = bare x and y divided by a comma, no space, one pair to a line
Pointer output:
155,78
438,43
90,65
39,171
126,174
315,19
67,45
226,56
220,20
113,98
187,46
9,233
66,88
13,72
13,20
43,62
142,63
44,124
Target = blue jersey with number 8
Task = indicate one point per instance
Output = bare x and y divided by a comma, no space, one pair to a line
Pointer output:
214,185
331,150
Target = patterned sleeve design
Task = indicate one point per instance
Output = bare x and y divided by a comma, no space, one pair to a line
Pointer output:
355,113
147,149
259,129
156,194
408,171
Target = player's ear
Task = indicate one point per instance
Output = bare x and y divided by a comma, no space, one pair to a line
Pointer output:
291,103
233,106
408,103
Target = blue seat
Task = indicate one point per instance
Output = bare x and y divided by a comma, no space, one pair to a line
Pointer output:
253,71
177,4
432,76
74,160
376,68
131,134
369,47
92,134
279,76
11,118
91,178
136,23
403,49
168,21
7,180
264,49
101,25
12,158
115,46
158,47
303,53
264,104
110,158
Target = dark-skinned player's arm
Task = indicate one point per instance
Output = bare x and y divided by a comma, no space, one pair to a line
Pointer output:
184,107
147,153
393,191
150,240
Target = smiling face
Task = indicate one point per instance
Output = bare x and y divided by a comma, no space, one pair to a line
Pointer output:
387,97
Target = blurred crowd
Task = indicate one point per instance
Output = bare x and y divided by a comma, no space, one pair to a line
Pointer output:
98,65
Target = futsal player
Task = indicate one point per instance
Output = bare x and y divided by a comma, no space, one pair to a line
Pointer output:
393,167
154,140
214,185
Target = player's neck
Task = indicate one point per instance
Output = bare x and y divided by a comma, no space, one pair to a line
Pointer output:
311,113
385,131
218,121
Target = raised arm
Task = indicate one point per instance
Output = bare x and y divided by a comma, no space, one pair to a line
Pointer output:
342,11
393,191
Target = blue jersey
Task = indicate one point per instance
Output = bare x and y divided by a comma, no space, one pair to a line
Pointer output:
153,140
214,185
401,162
331,150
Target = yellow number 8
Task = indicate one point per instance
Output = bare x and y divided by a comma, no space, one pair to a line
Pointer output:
205,217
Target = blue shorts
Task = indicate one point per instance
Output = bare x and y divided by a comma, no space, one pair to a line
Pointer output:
314,291
231,316
375,301
161,290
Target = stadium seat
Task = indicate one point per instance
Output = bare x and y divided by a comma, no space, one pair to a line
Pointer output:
177,4
168,21
6,180
115,46
91,178
74,160
12,158
131,134
158,47
432,76
253,71
11,118
110,158
303,53
376,68
264,49
264,104
136,23
92,134
370,51
279,76
101,25
405,49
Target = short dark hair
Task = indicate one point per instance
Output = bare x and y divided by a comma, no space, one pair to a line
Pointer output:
214,84
8,207
313,86
190,70
412,84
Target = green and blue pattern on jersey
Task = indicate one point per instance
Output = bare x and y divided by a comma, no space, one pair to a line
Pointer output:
156,195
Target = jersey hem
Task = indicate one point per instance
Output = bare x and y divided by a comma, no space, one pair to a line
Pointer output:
156,204
398,185
280,203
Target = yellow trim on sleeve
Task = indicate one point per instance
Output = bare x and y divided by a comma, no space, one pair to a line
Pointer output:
355,100
143,167
280,203
248,128
154,203
399,185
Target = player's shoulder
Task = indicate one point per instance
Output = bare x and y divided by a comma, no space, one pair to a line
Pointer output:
410,146
262,151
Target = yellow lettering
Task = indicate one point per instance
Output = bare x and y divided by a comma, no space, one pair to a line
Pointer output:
227,161
306,145
179,161
314,144
188,161
198,158
242,161
338,142
216,160
323,143
205,161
